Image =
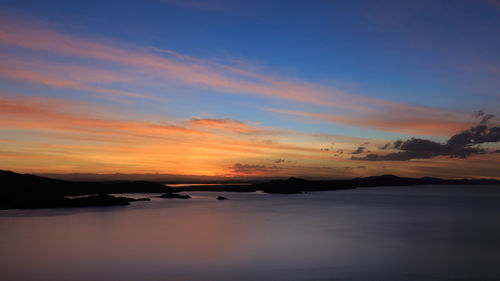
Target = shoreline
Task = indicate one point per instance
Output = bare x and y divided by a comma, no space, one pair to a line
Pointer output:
24,191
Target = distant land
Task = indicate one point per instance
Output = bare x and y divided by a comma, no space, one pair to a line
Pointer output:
163,178
26,191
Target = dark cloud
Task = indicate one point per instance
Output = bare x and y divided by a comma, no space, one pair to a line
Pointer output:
482,114
393,145
486,118
251,169
461,145
350,168
248,169
324,149
397,144
278,161
479,113
385,146
360,150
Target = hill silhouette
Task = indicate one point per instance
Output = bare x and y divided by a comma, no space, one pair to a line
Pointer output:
296,185
24,191
21,191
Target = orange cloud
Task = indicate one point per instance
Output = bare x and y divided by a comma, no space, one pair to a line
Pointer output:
193,71
50,115
422,125
66,133
80,140
230,125
35,77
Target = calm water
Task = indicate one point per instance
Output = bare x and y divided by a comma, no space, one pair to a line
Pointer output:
390,233
204,184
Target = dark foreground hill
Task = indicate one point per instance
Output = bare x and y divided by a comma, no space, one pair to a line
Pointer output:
21,191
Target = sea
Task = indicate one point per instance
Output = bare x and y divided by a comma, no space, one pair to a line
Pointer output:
427,232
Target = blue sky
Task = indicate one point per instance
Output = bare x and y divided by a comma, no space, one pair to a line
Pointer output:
407,51
380,70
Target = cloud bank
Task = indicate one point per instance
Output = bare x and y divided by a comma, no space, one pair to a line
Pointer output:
461,145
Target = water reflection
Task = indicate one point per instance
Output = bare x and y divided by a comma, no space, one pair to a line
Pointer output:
430,233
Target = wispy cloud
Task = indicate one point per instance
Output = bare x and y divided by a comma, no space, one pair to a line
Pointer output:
228,125
44,130
187,70
58,115
49,80
439,124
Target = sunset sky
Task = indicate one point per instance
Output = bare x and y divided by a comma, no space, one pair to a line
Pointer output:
324,89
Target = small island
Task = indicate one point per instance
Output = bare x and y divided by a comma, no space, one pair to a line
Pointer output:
175,195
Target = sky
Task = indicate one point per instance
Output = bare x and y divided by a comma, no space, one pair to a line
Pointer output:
319,89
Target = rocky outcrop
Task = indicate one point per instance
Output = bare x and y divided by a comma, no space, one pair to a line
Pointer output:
175,195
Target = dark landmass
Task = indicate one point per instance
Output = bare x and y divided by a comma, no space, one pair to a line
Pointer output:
163,178
25,183
221,198
295,185
22,191
30,202
138,199
175,195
